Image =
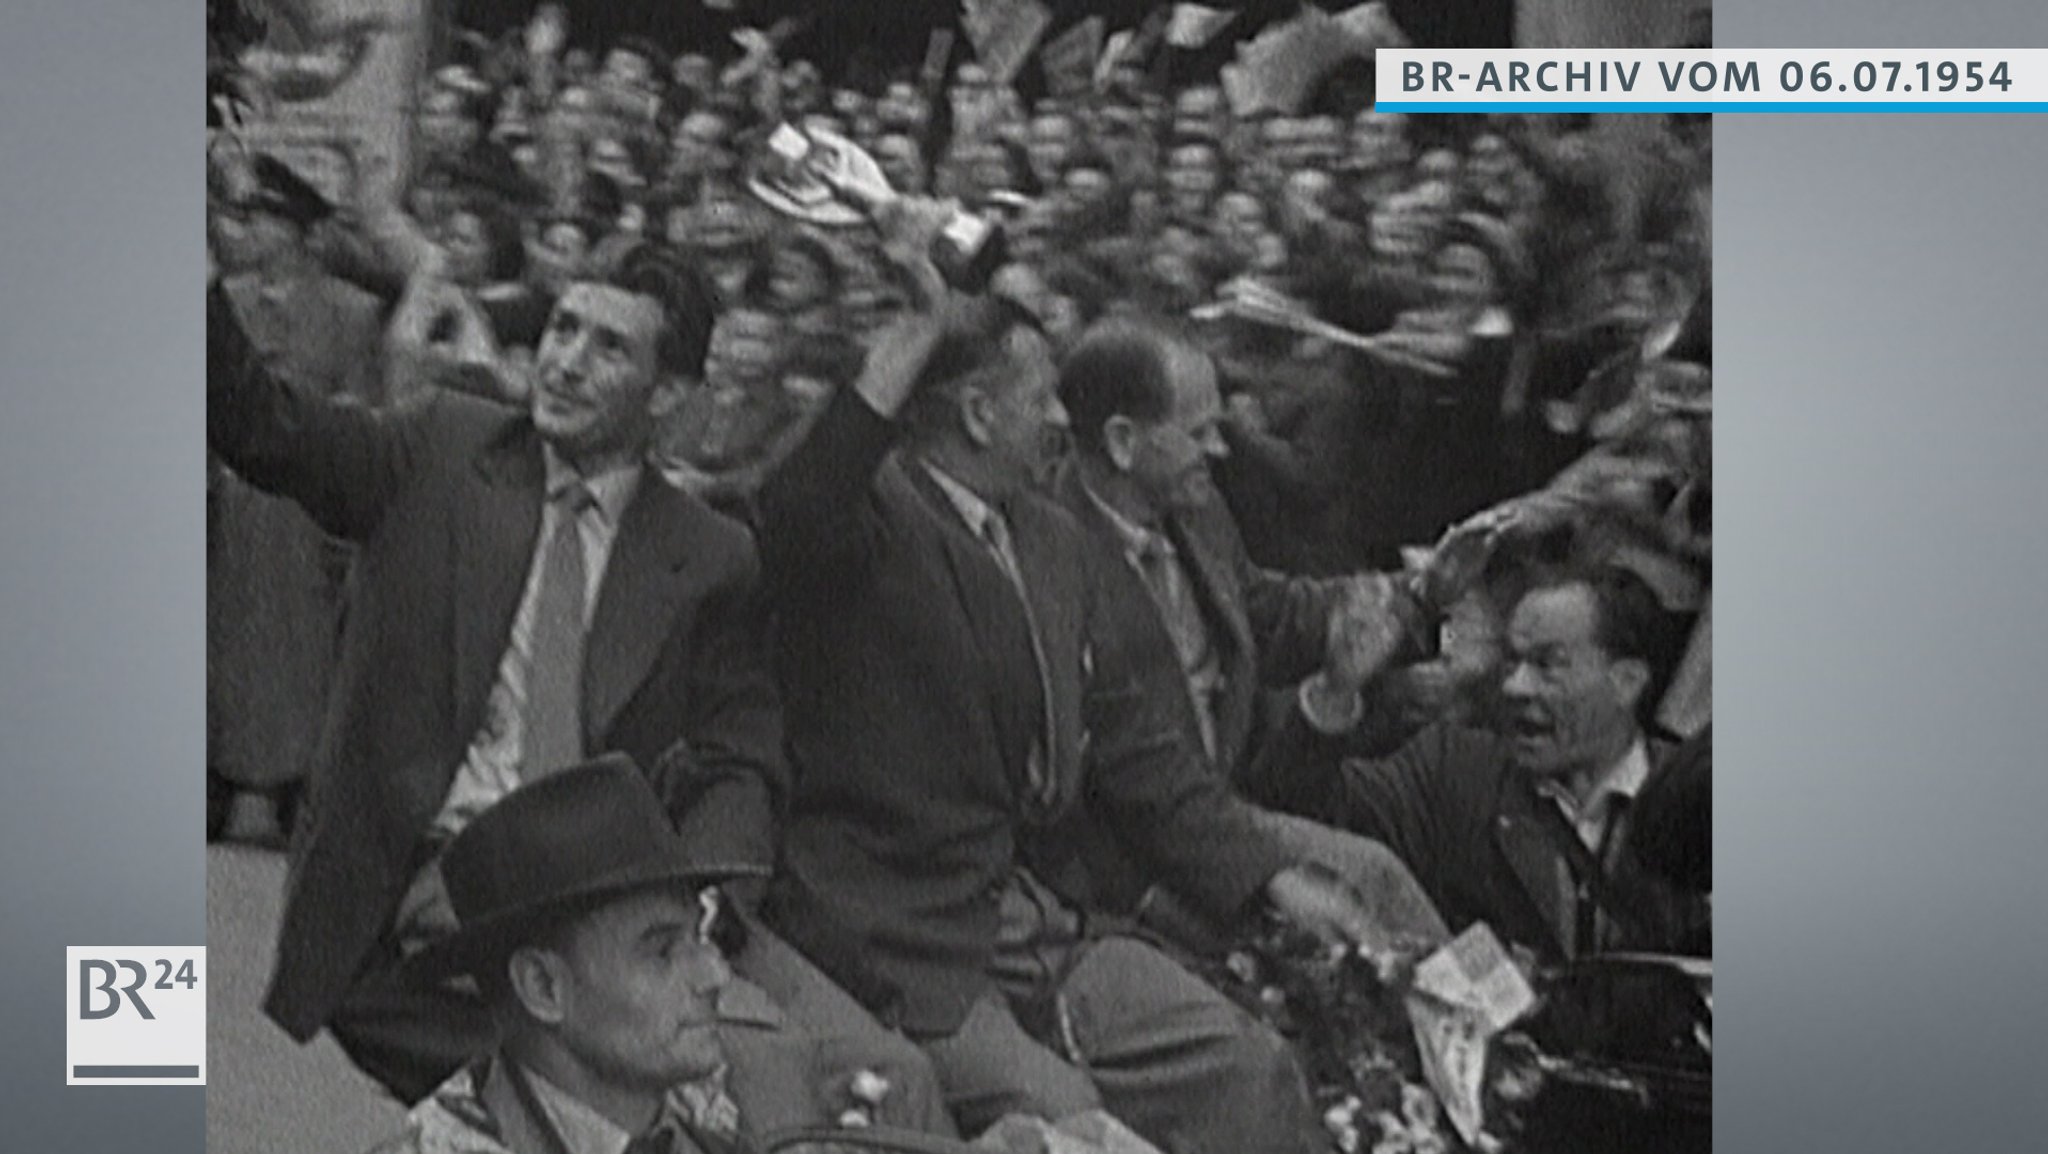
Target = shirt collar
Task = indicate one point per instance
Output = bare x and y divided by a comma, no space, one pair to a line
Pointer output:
582,1129
612,489
1623,779
1139,542
965,501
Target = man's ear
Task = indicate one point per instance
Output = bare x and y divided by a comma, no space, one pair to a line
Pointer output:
539,982
977,416
1630,677
1120,437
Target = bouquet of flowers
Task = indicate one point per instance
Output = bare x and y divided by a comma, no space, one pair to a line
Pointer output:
1346,1012
1413,1051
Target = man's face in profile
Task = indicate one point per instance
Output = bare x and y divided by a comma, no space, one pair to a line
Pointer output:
639,991
1170,459
1030,424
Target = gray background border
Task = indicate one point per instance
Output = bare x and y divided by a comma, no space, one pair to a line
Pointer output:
1883,614
102,468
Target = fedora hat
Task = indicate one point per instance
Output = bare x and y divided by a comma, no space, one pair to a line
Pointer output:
582,835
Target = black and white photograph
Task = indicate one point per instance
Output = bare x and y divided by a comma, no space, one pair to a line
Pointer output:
933,576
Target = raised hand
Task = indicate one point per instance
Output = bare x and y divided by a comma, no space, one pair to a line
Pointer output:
908,225
1460,558
1363,635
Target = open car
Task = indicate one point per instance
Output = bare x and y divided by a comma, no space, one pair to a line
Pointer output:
1627,1045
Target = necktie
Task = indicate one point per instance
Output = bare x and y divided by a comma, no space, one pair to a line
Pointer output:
1593,925
996,532
1159,563
552,737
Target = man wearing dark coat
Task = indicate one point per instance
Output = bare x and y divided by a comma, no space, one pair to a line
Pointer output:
526,593
1147,426
1530,827
955,687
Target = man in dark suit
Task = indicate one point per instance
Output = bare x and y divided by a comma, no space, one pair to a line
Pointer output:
1530,829
955,687
525,594
1147,415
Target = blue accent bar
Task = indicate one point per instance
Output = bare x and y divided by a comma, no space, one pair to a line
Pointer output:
1947,106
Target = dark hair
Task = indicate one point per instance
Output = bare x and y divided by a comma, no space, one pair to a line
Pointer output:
975,340
688,304
1117,369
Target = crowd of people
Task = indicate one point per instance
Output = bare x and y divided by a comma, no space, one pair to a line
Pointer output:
1029,635
1507,255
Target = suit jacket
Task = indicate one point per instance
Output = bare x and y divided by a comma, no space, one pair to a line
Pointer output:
1486,846
444,500
1268,629
913,701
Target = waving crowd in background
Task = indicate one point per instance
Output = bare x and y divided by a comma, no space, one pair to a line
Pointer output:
1313,513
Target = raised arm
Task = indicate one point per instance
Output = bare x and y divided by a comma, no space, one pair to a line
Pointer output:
342,463
817,517
818,520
